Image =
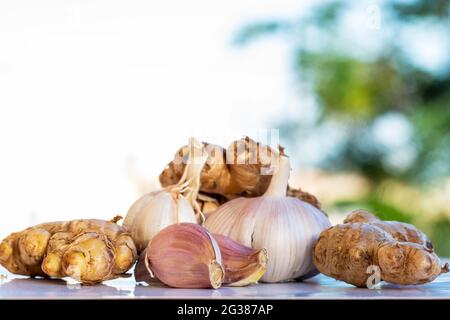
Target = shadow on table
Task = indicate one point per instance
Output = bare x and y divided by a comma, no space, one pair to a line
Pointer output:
56,289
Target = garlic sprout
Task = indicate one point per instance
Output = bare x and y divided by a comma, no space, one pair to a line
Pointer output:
286,226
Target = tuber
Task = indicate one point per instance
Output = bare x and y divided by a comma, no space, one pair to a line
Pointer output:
403,254
244,169
89,251
401,231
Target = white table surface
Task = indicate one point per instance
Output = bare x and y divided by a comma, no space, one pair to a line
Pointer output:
319,287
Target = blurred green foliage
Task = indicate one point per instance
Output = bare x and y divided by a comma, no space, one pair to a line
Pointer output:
439,231
376,205
356,87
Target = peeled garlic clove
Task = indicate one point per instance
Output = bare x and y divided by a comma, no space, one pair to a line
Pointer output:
243,265
185,255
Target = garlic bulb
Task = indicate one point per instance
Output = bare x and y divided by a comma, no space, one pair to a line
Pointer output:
287,227
173,204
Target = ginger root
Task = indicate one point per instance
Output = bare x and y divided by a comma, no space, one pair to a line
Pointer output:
403,254
244,169
89,251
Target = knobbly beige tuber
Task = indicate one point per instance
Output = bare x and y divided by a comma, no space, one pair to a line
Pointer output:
241,170
401,231
403,254
89,251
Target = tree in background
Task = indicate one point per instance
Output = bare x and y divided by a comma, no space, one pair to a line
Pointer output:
381,94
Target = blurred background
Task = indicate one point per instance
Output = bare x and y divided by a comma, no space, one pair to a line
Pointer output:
96,97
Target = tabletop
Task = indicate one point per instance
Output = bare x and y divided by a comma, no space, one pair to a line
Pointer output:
319,287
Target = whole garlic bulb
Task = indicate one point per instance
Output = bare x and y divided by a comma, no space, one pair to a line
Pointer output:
156,210
287,227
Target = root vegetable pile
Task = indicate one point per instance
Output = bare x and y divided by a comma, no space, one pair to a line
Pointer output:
403,254
241,170
89,251
225,216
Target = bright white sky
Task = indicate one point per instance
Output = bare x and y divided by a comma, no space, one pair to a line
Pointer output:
95,93
96,96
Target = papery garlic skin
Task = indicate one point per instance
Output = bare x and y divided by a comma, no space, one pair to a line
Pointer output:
287,227
155,211
243,265
185,255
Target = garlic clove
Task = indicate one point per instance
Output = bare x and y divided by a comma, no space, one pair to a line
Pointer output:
243,265
209,207
185,255
207,204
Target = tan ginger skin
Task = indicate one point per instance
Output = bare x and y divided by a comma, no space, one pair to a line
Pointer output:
404,254
90,251
238,171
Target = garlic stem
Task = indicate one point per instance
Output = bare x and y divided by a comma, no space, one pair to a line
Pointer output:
278,184
190,181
